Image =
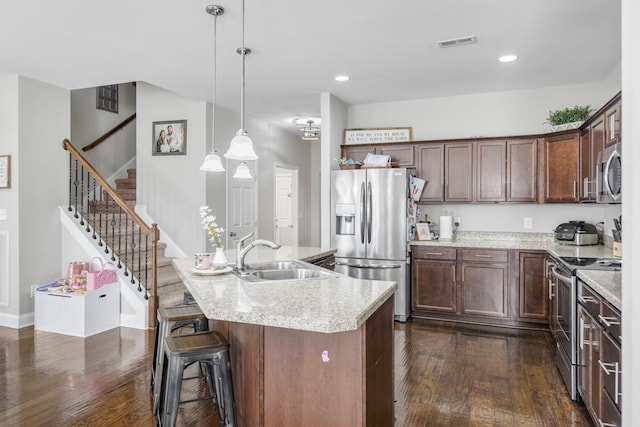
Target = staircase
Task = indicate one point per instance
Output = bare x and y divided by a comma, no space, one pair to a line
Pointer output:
170,287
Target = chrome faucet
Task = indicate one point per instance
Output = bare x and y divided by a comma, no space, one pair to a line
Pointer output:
242,250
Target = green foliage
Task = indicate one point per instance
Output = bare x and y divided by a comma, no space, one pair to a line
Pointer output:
569,115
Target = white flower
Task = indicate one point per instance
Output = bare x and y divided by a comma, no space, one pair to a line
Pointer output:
209,223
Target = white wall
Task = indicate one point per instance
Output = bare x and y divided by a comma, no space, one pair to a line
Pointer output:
630,211
172,187
334,114
315,194
35,119
519,112
88,123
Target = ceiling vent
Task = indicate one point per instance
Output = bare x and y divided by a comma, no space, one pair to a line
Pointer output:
458,42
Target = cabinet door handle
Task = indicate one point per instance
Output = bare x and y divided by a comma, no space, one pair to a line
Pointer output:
575,188
587,300
616,371
435,253
484,256
551,295
608,321
606,424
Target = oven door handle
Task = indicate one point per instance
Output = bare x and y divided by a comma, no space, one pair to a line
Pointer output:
560,276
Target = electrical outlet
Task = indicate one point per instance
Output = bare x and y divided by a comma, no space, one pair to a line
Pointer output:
528,224
456,221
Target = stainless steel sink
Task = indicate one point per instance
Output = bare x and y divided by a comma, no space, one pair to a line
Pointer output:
274,265
282,270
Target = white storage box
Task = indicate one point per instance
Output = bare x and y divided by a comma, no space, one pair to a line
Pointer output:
78,315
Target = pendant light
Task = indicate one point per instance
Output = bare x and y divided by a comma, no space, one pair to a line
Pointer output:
242,172
310,133
212,162
241,147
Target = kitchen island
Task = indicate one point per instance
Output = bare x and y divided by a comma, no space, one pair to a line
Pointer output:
311,351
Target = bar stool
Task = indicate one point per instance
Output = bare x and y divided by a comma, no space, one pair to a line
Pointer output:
169,320
209,348
187,298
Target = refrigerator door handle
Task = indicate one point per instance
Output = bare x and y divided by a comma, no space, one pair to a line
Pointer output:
371,266
362,217
369,212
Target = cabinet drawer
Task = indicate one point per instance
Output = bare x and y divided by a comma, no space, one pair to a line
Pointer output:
485,255
590,300
434,252
611,321
610,362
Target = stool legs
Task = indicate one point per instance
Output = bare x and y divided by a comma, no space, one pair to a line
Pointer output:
224,389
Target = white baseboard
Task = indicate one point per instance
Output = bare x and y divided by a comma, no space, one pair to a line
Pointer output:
17,321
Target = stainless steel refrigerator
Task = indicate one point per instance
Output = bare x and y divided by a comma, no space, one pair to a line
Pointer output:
369,227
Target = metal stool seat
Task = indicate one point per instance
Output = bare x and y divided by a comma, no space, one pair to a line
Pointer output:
207,348
169,320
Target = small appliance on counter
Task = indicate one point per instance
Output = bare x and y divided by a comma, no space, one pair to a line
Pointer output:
577,233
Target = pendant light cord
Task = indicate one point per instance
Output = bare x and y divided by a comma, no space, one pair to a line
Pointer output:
243,52
215,75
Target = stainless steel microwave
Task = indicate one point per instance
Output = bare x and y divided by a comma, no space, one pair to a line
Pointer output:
609,175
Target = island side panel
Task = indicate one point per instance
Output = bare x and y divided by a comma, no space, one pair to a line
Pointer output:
313,379
379,360
340,379
247,366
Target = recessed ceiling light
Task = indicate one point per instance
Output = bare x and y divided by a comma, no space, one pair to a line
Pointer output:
508,58
342,78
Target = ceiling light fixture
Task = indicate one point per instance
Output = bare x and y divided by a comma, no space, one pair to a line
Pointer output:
341,78
508,58
241,147
242,172
212,162
310,133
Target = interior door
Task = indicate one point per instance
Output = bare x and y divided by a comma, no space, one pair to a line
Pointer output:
242,198
286,230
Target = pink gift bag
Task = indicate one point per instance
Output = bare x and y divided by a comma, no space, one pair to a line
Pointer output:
98,278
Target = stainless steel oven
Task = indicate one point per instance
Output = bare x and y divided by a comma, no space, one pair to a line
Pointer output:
564,305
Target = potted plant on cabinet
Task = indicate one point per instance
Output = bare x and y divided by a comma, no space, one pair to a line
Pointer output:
569,118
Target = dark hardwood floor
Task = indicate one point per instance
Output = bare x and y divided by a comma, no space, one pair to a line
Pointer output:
446,375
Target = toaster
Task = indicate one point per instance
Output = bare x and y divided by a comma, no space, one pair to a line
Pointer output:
578,233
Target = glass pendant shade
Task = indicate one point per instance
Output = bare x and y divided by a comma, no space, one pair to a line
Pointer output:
241,147
242,172
212,163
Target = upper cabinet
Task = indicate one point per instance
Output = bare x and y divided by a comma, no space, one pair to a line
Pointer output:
458,184
430,167
613,123
592,141
560,169
401,154
506,170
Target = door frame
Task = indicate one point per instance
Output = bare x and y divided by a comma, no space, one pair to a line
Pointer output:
295,199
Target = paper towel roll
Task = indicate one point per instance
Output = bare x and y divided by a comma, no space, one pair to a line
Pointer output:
446,227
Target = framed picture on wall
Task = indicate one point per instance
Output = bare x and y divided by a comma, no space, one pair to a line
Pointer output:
169,138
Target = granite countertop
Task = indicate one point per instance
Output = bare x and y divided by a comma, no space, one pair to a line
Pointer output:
264,254
608,284
319,305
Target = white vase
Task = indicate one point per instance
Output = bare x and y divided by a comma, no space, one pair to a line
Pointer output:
219,260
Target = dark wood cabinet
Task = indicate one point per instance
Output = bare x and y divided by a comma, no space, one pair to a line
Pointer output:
591,143
485,282
430,167
328,262
599,356
533,304
401,155
458,158
522,174
560,169
433,280
491,171
613,123
506,171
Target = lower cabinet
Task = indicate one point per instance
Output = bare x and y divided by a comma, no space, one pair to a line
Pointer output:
484,286
599,357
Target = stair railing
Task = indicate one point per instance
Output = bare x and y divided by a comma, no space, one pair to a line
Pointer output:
127,240
110,132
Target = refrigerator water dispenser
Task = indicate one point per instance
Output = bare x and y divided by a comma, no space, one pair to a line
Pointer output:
346,219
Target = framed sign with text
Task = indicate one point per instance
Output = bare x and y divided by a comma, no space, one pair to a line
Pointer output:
377,135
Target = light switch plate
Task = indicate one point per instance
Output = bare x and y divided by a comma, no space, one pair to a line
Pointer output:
528,224
3,214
